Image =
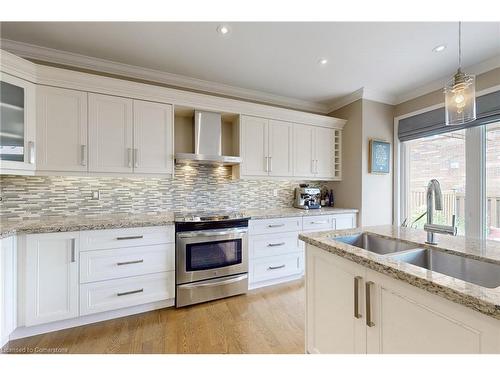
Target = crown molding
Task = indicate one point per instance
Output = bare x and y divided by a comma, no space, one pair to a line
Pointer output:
362,93
50,55
439,84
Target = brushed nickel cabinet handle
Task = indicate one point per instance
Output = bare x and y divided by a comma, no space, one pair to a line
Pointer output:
270,163
136,158
130,262
129,155
130,292
31,151
73,252
276,244
369,321
276,225
129,238
319,222
357,314
83,155
276,267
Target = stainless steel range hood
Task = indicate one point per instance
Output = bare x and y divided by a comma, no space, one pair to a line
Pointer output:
207,142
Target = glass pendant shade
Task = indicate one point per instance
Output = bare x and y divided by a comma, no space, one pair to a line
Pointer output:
460,99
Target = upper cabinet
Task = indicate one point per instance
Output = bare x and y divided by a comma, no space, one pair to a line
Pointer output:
110,134
61,130
266,147
17,125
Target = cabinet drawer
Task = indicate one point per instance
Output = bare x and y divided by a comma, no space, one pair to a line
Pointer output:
286,224
126,237
269,268
318,222
131,291
264,245
345,221
109,264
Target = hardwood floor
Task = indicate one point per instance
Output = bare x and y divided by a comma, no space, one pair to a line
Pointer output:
268,320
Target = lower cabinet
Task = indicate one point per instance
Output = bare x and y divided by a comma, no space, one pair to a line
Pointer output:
8,290
351,309
51,277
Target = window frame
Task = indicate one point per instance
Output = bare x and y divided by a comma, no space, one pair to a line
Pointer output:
475,160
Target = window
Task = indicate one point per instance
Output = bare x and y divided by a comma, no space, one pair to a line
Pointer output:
441,157
493,181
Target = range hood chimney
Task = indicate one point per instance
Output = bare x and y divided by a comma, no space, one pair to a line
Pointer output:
207,142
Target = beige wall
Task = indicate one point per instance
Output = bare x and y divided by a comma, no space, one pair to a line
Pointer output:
348,192
371,194
483,81
378,122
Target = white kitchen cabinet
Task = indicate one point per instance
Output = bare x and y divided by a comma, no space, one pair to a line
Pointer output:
266,147
352,309
333,285
254,146
61,130
17,125
110,134
8,288
316,152
51,277
153,141
303,151
280,147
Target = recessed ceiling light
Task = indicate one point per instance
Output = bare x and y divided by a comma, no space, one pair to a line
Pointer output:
439,48
322,61
223,29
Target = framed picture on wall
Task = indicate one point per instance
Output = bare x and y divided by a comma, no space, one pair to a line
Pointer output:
380,156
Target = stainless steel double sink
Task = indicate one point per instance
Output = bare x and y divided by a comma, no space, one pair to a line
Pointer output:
474,271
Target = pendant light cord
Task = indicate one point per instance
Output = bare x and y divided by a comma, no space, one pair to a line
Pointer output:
459,45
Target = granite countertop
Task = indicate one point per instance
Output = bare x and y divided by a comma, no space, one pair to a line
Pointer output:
78,223
482,299
52,224
294,212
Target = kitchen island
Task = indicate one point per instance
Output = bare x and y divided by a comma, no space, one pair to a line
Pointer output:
360,301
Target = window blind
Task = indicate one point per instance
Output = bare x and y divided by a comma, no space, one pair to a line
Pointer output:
432,122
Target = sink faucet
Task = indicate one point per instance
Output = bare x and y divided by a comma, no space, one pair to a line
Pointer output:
430,228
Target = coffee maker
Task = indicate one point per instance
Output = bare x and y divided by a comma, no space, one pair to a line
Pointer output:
306,197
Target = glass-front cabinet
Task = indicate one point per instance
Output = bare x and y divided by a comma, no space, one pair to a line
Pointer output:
17,125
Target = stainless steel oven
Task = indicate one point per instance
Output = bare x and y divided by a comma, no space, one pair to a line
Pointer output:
211,260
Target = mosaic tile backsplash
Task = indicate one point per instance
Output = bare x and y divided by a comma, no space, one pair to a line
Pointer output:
193,188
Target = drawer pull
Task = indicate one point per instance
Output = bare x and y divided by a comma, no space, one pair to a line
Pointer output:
276,267
130,262
369,321
357,314
276,244
276,225
130,292
129,238
319,222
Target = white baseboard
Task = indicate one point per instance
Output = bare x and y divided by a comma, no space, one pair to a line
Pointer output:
21,332
263,284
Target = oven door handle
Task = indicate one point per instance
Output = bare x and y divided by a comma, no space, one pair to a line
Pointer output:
216,283
209,233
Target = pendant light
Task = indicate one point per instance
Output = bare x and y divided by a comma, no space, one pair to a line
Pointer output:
460,93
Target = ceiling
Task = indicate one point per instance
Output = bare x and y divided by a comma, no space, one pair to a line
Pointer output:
279,58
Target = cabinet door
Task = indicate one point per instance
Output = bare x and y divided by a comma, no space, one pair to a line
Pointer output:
331,326
324,150
51,277
61,129
8,289
254,146
407,320
110,134
152,137
17,125
280,148
303,151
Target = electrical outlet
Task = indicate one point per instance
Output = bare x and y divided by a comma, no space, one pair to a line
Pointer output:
96,195
275,192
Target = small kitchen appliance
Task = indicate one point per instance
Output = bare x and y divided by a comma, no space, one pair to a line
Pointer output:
307,197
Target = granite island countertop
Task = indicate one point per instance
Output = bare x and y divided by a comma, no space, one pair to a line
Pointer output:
52,224
482,299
